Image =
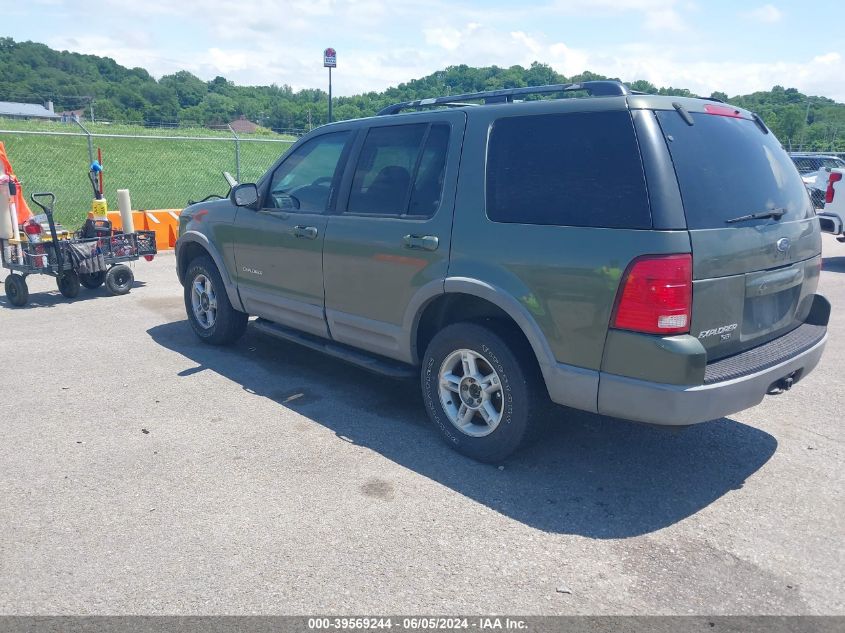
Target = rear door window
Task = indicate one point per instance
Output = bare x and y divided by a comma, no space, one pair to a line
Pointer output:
727,167
400,171
568,169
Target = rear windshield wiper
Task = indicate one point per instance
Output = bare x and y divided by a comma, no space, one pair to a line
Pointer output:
777,214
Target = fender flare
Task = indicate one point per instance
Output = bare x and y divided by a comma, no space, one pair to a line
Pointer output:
515,310
194,237
411,321
483,290
566,384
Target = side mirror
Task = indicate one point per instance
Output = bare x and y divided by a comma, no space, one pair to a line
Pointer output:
245,195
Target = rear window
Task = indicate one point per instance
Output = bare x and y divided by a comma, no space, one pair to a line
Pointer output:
572,169
727,167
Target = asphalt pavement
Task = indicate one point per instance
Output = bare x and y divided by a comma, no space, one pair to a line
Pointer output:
142,472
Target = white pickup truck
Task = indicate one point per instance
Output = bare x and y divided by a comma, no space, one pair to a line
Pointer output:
832,216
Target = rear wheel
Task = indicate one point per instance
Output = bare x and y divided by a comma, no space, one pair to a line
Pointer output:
119,279
210,313
92,281
483,395
68,284
17,291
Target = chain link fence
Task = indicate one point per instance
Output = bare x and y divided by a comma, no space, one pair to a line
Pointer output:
160,171
806,149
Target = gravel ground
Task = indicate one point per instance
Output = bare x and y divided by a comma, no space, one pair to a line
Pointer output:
142,472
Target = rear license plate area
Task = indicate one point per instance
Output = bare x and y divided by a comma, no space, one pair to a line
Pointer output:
769,312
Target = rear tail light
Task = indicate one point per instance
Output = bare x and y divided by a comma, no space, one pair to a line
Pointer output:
835,176
655,295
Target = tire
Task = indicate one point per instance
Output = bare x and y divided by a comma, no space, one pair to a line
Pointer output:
119,279
68,284
17,291
209,310
92,281
518,400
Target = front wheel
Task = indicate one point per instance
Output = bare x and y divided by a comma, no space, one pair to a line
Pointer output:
68,284
210,312
17,291
119,279
482,394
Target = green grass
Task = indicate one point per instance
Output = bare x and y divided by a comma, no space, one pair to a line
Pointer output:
160,174
127,128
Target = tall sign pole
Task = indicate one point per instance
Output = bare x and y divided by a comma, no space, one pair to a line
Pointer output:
330,61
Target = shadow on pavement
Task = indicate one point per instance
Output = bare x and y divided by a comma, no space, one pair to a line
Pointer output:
51,298
833,264
593,476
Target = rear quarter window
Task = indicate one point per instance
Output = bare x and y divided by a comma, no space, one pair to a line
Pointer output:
728,167
568,169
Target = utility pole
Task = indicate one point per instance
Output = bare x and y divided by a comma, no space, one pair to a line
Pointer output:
330,61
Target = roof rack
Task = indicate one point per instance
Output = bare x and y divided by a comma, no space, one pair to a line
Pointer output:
594,88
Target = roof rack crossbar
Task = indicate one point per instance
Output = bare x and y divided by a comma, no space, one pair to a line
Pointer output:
506,95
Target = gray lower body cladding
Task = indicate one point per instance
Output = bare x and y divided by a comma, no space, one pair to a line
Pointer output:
678,405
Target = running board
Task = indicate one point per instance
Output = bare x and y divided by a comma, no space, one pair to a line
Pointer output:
370,362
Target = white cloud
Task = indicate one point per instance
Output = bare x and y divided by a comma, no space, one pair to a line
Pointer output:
828,58
820,75
768,14
665,20
270,41
445,37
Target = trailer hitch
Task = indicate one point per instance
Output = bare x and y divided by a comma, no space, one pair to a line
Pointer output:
784,384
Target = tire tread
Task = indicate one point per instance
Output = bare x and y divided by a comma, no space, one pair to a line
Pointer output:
522,374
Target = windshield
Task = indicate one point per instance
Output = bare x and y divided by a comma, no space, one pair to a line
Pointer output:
833,163
727,167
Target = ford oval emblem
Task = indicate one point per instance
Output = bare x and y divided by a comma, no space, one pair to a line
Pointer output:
783,244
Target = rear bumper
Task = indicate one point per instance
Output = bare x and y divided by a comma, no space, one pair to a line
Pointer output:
679,405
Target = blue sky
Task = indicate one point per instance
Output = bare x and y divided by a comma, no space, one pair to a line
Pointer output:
704,45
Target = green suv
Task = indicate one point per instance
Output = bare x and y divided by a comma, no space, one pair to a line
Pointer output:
646,257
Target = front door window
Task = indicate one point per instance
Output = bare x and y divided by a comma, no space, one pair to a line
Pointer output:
305,181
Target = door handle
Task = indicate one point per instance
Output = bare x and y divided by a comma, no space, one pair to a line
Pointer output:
308,232
421,242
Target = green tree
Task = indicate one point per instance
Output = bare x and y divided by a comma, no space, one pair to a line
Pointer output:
790,122
190,90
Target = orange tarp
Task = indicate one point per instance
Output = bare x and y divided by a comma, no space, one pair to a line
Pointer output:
20,202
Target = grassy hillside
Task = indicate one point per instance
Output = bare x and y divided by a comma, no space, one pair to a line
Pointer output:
158,173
